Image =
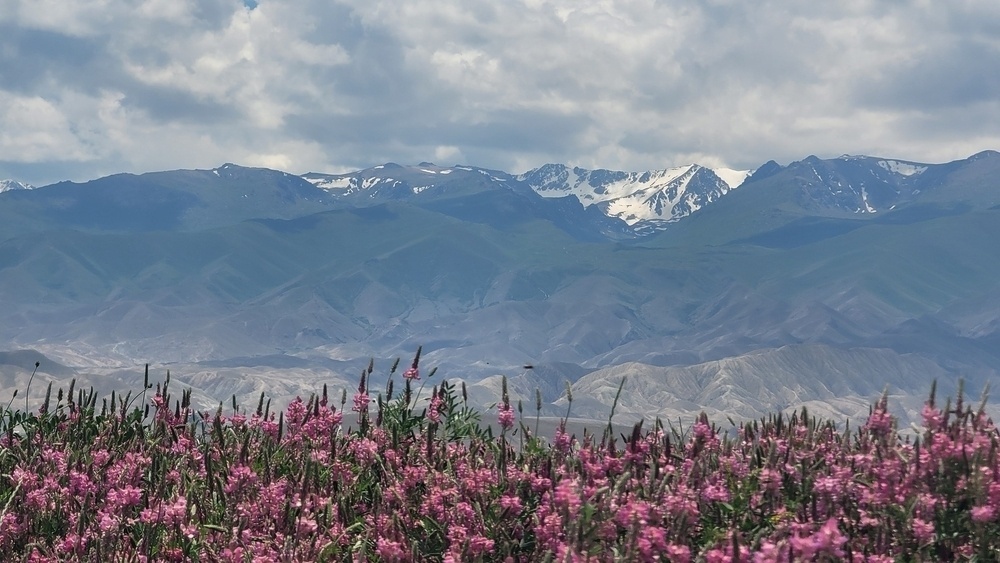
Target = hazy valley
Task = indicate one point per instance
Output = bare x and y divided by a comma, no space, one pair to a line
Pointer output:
819,283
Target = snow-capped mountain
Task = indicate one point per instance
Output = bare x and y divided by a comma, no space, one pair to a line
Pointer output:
643,199
393,181
468,193
856,184
10,185
351,183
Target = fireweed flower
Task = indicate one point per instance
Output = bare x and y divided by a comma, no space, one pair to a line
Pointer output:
510,503
365,450
879,422
361,402
562,441
932,417
389,550
414,372
295,414
506,416
983,513
923,530
567,497
232,489
436,408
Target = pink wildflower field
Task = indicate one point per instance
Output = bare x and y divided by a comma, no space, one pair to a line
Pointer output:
421,476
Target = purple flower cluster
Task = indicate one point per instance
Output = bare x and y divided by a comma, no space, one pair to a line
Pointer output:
166,483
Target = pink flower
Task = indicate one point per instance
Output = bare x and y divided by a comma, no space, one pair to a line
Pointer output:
562,440
678,553
361,402
435,409
826,541
365,450
506,416
510,504
411,373
479,545
717,556
880,422
389,550
932,417
830,539
770,479
769,552
295,413
983,513
923,531
715,493
9,527
108,523
126,496
567,496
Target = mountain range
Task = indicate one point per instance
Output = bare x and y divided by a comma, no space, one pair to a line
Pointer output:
819,283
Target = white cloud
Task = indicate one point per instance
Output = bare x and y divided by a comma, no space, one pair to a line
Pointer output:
628,85
71,18
447,154
33,129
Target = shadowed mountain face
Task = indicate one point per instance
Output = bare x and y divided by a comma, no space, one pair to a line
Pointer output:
185,200
820,283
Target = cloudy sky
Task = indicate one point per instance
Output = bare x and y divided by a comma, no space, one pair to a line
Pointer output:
95,87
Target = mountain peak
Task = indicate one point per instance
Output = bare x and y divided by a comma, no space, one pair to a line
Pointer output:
228,170
769,168
11,185
642,199
984,155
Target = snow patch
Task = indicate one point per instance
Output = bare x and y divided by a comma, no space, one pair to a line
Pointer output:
732,178
902,168
864,199
369,182
336,183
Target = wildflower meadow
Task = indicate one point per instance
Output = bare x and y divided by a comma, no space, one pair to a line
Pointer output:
416,474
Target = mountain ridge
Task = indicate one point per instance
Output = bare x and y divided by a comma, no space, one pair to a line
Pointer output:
205,270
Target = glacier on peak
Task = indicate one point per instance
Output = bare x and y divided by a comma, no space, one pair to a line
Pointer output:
654,196
11,185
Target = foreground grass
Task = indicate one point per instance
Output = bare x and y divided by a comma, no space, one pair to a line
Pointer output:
147,478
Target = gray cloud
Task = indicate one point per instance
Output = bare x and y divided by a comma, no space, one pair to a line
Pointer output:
958,74
328,86
33,60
